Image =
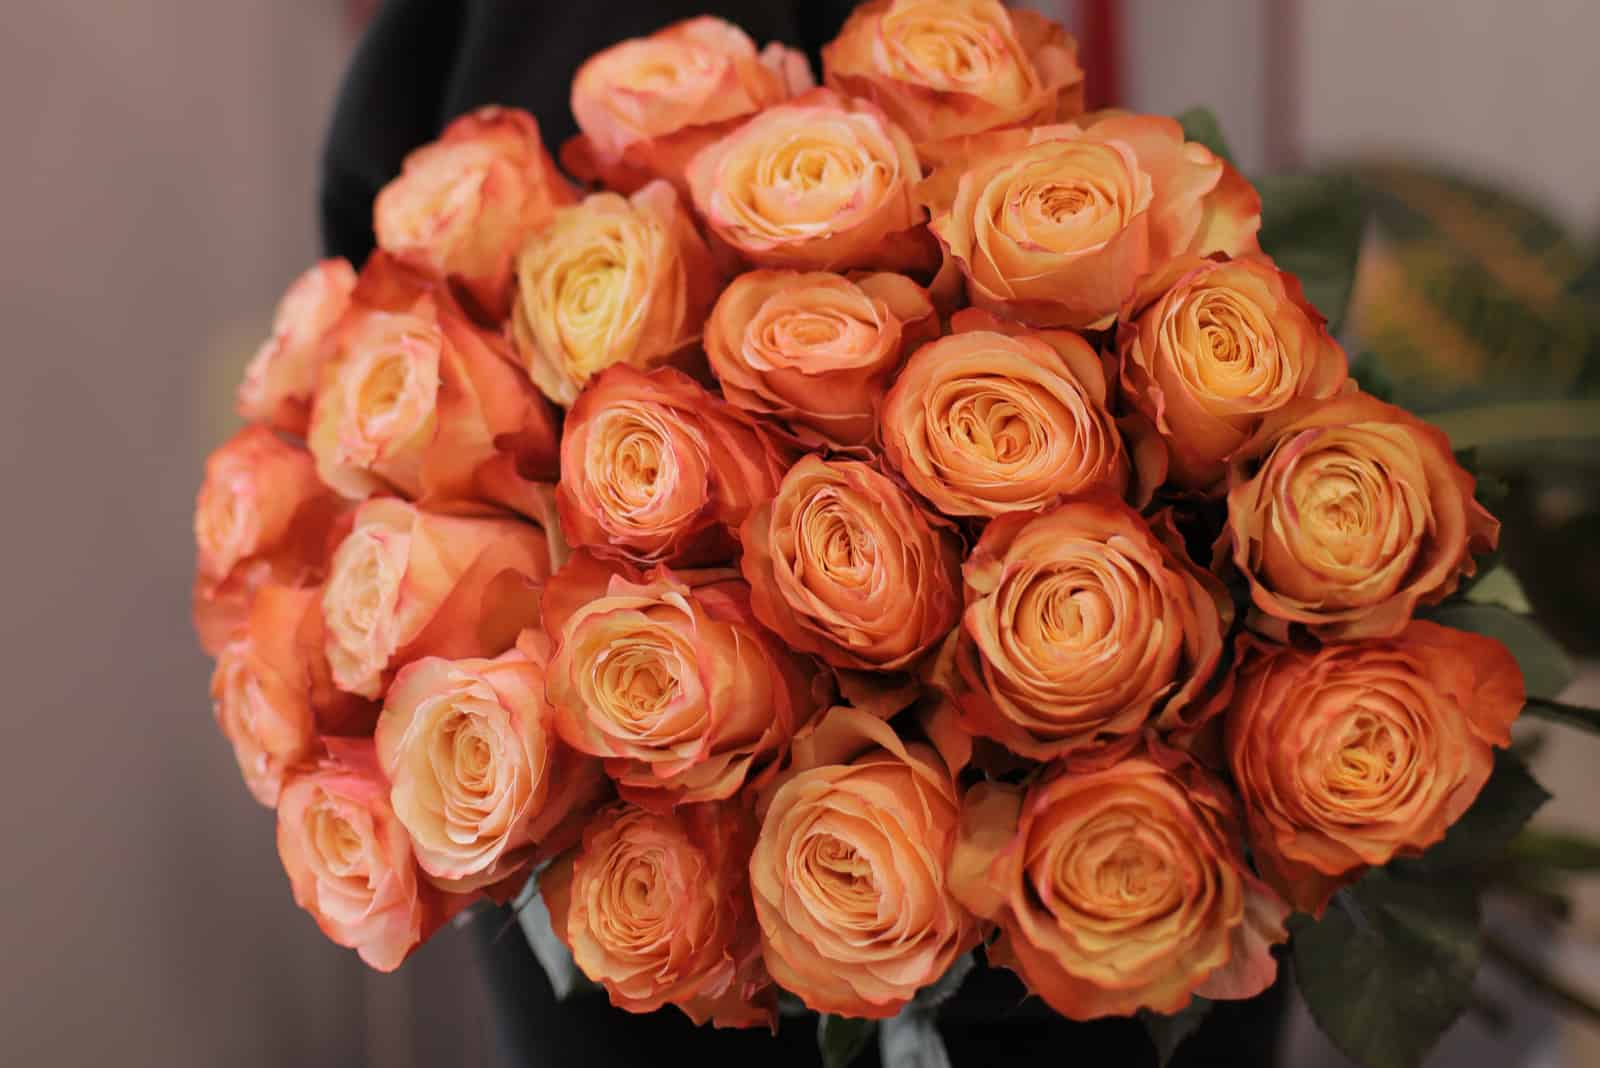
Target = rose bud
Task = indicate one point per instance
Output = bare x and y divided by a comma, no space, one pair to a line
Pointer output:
1083,626
656,469
1346,515
1349,755
478,776
647,105
656,909
849,873
994,419
406,583
611,280
1119,888
945,69
463,205
349,861
272,692
816,351
417,399
676,686
821,183
1211,348
282,376
1055,226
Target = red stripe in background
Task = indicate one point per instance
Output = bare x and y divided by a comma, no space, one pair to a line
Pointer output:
1100,51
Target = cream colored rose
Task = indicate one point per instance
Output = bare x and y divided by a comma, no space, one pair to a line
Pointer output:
282,376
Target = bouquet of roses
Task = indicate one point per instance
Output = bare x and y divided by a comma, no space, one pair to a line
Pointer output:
868,523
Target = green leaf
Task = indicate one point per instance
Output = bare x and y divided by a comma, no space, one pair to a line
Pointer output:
841,1039
1167,1033
1498,586
551,953
1200,124
1559,851
1545,667
1585,719
1485,831
1367,369
1390,965
1311,224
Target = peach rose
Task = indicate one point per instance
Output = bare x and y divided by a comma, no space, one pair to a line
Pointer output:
1056,225
1211,347
463,205
272,692
656,909
349,861
648,104
676,686
1083,626
1119,887
611,280
843,564
478,776
820,183
655,469
416,400
282,376
406,583
951,68
994,419
1350,755
1345,515
816,351
849,873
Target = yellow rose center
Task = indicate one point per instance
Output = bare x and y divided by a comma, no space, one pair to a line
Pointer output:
838,881
960,48
337,847
834,541
1229,353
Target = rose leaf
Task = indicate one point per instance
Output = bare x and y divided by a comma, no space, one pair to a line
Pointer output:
1484,832
841,1039
1546,670
1312,225
1167,1033
1200,124
553,956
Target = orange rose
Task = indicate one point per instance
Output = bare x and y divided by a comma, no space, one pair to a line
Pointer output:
416,400
406,583
655,469
478,776
821,183
849,871
1119,888
816,351
1212,348
843,564
272,692
679,690
463,205
656,908
952,68
612,280
994,419
1055,226
1345,515
1083,626
1350,755
647,105
282,376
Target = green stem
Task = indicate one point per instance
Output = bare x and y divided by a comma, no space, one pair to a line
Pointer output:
1556,989
1497,424
1560,712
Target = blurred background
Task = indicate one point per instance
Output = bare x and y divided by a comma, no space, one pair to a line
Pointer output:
160,192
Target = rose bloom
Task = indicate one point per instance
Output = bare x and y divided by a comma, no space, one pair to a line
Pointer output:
417,399
843,564
1350,755
951,68
1211,348
1119,887
656,908
647,105
993,419
611,280
816,350
463,205
820,183
282,376
349,860
406,583
676,686
849,873
272,691
478,776
1055,226
1345,515
656,469
1082,626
